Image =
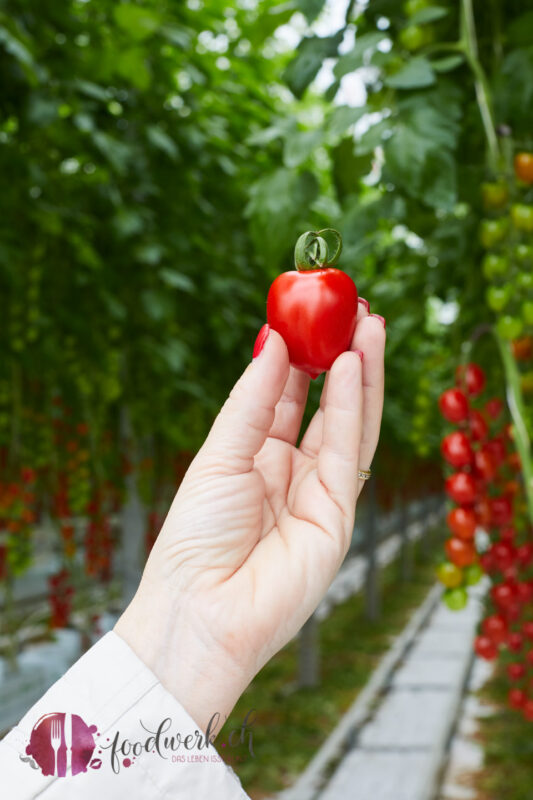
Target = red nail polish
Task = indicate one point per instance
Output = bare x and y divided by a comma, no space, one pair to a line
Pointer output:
365,303
262,336
381,319
360,354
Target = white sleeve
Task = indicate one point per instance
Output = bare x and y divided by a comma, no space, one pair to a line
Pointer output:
107,700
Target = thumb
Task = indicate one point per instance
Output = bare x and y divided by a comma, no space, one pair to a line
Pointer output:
245,419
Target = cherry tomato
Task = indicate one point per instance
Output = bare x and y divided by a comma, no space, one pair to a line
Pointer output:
455,599
453,405
494,266
496,448
478,427
485,648
507,534
495,628
501,510
527,630
515,642
498,297
413,37
471,377
492,232
473,574
494,195
483,511
494,407
524,554
509,327
527,312
503,595
449,575
456,449
516,671
462,522
523,167
459,552
522,217
527,710
524,591
313,308
529,656
523,348
485,465
516,698
461,487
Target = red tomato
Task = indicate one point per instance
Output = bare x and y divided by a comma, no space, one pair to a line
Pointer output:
501,511
529,656
462,522
516,698
524,591
483,511
516,671
507,534
485,465
485,648
478,427
472,377
453,405
523,348
528,710
524,554
493,408
496,448
314,310
487,564
503,595
456,449
515,642
527,630
503,555
461,487
495,628
523,167
513,460
459,552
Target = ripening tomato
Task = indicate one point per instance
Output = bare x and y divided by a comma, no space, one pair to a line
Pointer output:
459,552
495,628
501,511
456,449
453,405
515,642
494,195
523,167
461,487
485,648
449,575
523,348
513,460
516,698
516,671
462,522
472,377
478,427
314,307
494,407
473,574
522,217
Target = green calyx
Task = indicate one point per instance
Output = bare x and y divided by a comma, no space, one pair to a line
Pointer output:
312,251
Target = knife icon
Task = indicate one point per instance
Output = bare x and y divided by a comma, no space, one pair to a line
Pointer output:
68,742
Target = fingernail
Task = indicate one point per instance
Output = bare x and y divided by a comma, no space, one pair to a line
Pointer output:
262,336
360,354
381,319
365,303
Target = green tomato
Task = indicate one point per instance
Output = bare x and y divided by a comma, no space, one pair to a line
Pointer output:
449,575
527,312
494,195
494,265
455,599
523,252
524,280
498,297
413,37
492,232
522,216
473,574
509,327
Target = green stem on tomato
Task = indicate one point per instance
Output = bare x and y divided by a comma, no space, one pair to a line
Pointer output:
470,48
516,407
311,251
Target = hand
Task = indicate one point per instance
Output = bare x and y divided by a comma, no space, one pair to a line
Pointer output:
259,527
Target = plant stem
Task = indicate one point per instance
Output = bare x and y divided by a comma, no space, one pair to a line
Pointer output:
469,41
516,407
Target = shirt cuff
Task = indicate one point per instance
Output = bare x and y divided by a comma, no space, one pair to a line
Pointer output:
120,702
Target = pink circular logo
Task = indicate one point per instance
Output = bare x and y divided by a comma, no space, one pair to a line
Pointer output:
62,744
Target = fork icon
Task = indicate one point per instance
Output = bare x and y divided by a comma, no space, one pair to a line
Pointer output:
55,741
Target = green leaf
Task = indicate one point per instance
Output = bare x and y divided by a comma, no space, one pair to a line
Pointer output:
162,141
416,73
373,137
157,304
341,119
364,46
311,53
176,280
116,152
299,146
174,353
447,63
429,14
16,48
349,168
136,21
131,64
310,8
520,31
92,90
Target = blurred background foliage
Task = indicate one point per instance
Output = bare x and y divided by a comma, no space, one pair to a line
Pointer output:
159,161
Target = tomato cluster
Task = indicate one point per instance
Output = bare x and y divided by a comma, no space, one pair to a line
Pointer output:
60,598
482,484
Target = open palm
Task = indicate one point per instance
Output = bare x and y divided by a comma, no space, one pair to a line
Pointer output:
259,527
